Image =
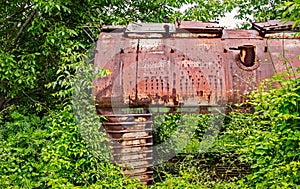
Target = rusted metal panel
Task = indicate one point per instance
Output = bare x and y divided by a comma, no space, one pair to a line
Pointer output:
241,34
167,72
188,71
282,35
270,55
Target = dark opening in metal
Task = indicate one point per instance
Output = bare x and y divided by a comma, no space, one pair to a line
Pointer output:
247,55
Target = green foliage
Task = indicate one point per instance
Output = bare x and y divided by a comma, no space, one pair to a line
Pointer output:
264,10
175,133
276,151
194,171
187,133
203,10
165,126
268,139
50,152
291,11
258,10
172,134
89,123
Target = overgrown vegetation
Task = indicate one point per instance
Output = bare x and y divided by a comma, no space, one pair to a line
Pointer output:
271,135
43,46
263,147
49,152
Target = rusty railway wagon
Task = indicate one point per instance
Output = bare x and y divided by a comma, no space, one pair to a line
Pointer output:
181,67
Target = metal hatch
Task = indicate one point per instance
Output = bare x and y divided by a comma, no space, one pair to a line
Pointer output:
112,28
146,30
204,29
273,26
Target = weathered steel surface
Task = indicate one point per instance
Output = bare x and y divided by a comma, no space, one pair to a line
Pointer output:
131,136
182,71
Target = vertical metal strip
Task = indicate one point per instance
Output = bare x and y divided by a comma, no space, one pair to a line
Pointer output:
137,69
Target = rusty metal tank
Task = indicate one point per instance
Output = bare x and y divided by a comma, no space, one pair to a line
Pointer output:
188,64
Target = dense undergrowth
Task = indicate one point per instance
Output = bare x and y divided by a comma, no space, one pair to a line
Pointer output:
49,152
262,148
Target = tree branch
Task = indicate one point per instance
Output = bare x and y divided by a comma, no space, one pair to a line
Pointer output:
4,102
30,97
16,13
24,26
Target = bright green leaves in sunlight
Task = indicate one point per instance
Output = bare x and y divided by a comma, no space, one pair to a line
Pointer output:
291,11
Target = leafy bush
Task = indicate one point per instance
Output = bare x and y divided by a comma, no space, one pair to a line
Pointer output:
269,138
50,152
